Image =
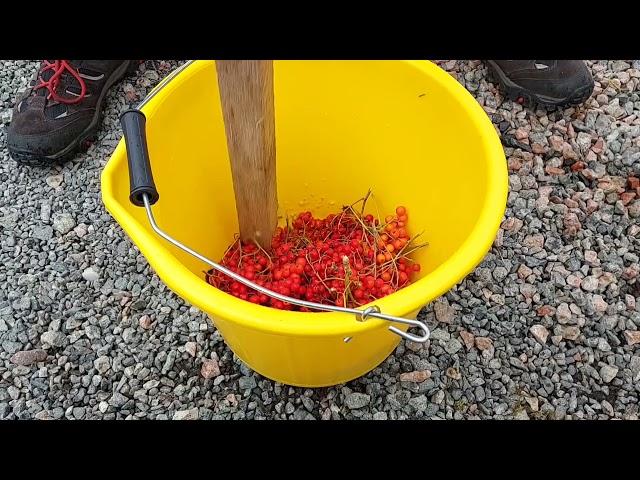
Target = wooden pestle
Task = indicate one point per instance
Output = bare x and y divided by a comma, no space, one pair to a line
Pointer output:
246,95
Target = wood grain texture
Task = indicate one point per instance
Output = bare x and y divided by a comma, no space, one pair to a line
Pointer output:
246,95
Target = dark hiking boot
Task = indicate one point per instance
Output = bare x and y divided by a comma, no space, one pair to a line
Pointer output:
550,83
60,112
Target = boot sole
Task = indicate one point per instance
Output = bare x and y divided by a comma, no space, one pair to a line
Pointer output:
89,135
519,95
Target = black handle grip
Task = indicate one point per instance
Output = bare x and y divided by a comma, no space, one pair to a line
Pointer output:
140,176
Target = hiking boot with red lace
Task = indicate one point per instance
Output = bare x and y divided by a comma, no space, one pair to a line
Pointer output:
60,113
549,83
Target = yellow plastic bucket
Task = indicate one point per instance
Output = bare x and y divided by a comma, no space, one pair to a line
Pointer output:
405,129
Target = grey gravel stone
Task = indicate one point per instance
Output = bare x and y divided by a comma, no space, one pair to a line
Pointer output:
247,383
118,399
634,366
619,66
608,373
53,339
419,403
357,400
452,346
169,362
191,414
63,223
43,232
439,334
102,364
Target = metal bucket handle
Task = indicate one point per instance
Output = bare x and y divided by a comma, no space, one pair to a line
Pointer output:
143,193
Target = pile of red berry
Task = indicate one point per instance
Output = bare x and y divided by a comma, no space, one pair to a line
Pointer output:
347,259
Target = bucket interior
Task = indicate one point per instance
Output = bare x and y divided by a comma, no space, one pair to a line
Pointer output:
342,127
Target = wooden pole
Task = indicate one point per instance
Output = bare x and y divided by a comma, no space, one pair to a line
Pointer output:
246,94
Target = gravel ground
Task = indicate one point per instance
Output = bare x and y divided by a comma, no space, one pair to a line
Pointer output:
547,327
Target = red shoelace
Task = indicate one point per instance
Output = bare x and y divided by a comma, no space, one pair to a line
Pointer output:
58,67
